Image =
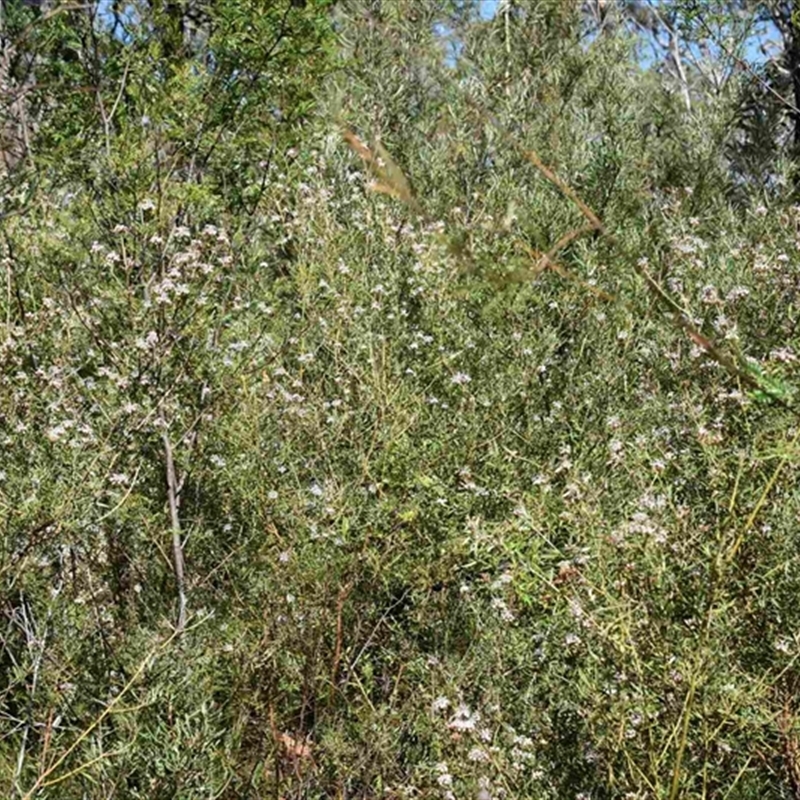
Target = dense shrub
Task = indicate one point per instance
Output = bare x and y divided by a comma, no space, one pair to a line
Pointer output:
296,329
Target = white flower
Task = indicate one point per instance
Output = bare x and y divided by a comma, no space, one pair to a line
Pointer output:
464,719
149,341
478,754
784,354
460,378
499,605
523,741
440,704
55,433
709,295
737,292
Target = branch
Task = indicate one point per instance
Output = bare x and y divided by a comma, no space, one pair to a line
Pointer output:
177,545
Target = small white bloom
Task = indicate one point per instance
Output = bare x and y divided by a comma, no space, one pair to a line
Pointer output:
499,605
464,719
440,704
478,754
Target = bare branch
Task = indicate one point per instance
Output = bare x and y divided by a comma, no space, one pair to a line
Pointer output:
177,545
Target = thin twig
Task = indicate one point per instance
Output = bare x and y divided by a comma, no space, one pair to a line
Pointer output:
42,779
175,523
337,656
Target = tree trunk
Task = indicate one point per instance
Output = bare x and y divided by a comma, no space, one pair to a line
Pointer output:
793,66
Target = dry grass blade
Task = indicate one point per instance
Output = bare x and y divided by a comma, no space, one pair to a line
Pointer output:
388,178
565,189
547,261
394,176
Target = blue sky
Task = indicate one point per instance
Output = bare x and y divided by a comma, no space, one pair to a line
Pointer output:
487,8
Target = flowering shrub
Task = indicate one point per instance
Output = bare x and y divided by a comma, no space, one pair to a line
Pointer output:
325,473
